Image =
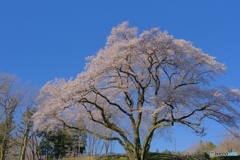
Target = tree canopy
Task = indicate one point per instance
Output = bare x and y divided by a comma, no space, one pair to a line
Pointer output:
136,84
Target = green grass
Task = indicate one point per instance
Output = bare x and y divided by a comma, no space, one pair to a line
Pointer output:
99,158
84,158
164,156
152,156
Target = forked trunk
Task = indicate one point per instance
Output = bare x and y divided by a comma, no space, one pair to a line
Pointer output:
138,156
134,157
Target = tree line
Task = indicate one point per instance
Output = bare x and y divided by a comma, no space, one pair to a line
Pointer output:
19,140
230,143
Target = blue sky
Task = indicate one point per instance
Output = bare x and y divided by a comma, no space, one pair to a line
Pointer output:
43,40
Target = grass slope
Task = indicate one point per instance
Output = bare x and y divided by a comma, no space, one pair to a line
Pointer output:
152,156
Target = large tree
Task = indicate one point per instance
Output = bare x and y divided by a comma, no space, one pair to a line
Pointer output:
137,84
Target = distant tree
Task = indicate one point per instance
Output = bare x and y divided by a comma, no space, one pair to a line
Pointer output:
96,145
179,153
230,144
59,144
201,148
166,151
205,147
45,148
53,145
136,85
78,142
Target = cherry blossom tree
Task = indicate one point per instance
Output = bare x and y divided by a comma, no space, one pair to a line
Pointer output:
135,85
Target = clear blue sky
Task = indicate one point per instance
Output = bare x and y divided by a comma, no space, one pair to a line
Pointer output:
42,40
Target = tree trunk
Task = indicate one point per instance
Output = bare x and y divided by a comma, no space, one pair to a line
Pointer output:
23,147
3,148
134,157
6,135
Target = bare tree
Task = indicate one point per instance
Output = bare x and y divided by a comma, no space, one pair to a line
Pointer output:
94,145
10,97
27,136
230,144
26,131
137,84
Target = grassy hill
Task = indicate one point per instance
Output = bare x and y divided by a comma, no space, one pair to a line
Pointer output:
152,156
